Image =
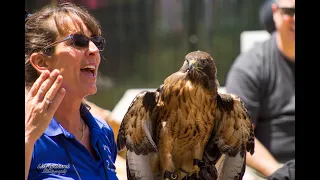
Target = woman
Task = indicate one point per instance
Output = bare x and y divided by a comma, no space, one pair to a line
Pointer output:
62,139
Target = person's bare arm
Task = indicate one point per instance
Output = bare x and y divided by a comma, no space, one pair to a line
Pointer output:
262,160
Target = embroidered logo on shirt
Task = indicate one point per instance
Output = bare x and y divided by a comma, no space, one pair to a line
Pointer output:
53,168
105,147
110,166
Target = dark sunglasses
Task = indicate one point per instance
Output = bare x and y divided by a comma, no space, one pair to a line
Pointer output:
287,11
82,41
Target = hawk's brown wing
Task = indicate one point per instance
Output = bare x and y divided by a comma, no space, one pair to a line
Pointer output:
136,128
233,136
234,130
136,133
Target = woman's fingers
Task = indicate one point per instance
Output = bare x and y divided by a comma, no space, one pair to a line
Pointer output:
45,92
56,101
42,102
46,85
54,96
36,85
53,89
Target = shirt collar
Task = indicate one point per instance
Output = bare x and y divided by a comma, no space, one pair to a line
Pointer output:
54,128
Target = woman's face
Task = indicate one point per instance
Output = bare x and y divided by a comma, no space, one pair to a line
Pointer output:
78,66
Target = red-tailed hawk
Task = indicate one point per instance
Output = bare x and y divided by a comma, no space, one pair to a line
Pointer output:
172,132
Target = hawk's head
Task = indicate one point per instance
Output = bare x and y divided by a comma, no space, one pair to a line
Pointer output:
200,68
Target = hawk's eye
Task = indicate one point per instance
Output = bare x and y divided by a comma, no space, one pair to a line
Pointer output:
202,61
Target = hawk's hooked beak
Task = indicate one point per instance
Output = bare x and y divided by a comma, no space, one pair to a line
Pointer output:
191,64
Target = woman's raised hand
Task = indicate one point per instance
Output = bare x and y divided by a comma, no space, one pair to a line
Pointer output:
41,102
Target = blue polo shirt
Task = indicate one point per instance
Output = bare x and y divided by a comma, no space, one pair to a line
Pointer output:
50,159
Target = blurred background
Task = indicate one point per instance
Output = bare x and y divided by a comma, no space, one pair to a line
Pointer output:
146,40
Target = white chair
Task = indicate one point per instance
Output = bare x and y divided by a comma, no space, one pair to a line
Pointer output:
249,38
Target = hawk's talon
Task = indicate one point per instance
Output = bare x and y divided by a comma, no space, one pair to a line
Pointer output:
195,170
